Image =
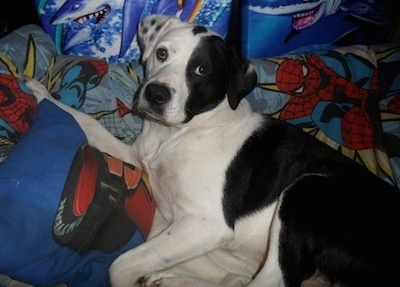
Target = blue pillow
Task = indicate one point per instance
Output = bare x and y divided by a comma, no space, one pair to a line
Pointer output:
66,215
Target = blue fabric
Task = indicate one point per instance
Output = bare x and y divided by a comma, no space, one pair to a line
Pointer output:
108,30
31,182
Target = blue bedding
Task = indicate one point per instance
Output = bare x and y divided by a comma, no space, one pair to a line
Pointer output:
346,97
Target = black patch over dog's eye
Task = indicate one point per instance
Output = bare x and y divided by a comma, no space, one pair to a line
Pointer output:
201,70
162,54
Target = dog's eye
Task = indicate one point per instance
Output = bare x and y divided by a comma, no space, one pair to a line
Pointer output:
162,54
201,70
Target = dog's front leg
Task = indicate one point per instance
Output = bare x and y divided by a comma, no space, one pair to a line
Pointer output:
186,238
96,134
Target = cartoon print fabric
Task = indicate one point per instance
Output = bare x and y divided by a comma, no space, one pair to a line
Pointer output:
347,98
339,96
106,29
275,27
104,203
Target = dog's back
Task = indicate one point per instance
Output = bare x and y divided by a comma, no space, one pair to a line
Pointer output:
337,220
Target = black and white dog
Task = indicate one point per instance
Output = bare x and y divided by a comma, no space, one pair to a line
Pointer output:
226,177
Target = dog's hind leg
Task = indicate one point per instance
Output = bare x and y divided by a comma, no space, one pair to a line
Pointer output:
96,134
271,273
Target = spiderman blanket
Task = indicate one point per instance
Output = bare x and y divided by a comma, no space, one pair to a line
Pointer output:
346,97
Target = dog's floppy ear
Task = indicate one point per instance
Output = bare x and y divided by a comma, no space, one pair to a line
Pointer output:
150,29
242,79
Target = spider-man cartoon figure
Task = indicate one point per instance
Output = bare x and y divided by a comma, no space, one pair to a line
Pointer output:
321,97
16,108
78,79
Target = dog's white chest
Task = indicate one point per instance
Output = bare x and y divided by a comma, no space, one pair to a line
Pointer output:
187,166
182,170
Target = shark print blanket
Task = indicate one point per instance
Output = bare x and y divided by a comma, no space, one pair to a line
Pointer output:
107,28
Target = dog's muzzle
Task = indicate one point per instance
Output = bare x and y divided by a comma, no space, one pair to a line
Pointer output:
156,94
154,99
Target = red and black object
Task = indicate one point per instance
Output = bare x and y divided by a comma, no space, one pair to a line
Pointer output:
104,203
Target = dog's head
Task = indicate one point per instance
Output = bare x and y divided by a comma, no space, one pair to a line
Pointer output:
188,70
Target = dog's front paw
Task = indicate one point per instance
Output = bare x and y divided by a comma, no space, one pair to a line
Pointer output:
167,279
124,277
39,91
157,280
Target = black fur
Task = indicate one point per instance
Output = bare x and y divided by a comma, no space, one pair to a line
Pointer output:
338,219
208,90
225,73
199,29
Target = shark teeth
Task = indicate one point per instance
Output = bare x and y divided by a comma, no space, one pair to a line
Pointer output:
304,19
96,17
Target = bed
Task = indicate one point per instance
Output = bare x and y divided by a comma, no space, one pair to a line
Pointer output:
349,99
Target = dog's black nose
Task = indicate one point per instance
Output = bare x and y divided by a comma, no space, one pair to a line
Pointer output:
157,94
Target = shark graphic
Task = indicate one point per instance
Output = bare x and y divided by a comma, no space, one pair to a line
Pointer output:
86,16
304,13
81,11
